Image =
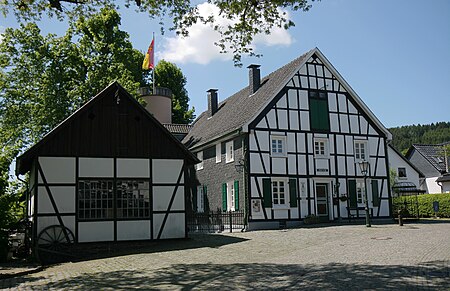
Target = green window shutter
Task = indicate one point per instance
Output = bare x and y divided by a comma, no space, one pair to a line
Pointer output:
375,197
293,192
194,199
267,192
322,111
236,195
313,112
318,110
352,193
224,197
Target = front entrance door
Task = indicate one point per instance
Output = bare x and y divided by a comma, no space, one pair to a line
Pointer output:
322,201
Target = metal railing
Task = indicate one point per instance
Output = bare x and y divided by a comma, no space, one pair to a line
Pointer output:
215,221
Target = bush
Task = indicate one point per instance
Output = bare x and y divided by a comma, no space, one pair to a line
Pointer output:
425,202
311,219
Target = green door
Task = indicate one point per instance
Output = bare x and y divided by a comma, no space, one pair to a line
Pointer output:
322,201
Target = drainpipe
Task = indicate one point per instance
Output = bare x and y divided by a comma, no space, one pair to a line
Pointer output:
244,180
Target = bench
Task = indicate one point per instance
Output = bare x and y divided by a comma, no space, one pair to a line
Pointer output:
351,215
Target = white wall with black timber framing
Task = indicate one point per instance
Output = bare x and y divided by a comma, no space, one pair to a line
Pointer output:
57,199
313,109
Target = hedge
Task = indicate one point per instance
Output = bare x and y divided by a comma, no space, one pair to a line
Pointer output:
425,202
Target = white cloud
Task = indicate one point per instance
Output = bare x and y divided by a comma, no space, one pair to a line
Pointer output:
199,46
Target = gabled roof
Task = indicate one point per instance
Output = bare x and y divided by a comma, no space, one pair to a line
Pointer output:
421,175
432,153
237,111
60,139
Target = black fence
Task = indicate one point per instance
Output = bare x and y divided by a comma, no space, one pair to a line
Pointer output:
216,221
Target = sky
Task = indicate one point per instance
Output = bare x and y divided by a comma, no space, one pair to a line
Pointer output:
394,54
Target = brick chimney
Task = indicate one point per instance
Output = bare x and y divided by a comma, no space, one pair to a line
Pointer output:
212,102
254,78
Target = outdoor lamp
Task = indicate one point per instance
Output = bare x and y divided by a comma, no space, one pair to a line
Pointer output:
364,167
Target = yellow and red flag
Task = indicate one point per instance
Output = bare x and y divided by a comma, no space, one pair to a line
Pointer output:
149,57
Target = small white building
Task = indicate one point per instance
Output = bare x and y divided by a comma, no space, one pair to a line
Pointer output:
431,161
109,172
405,170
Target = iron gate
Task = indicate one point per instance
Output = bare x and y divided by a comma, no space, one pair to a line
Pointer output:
215,221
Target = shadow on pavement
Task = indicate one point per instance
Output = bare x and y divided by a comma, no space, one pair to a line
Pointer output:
335,276
88,251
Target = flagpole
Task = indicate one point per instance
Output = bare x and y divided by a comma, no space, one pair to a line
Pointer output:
153,70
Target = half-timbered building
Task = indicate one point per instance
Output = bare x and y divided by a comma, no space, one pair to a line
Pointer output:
288,145
109,172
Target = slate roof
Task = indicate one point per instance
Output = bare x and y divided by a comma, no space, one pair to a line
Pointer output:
235,112
444,178
238,109
432,153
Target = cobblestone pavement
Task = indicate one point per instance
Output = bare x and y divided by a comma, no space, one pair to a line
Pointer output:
349,257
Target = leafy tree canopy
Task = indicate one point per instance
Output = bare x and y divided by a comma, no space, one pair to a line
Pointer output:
170,76
249,18
43,79
405,136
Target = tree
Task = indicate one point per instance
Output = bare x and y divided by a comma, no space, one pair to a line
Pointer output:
249,18
170,76
44,79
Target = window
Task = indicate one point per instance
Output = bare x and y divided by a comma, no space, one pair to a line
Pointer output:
321,148
95,199
200,199
360,189
218,152
361,150
231,196
318,111
229,156
200,157
402,173
133,199
278,145
279,192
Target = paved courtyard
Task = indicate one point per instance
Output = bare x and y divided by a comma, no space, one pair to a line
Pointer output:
413,257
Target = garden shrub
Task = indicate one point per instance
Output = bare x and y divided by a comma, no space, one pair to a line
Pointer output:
425,202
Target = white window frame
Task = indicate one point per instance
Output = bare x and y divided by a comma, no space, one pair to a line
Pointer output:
200,199
280,140
231,196
325,154
218,153
229,156
276,202
200,157
360,188
358,144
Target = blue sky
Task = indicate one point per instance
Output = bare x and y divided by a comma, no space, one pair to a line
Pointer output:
394,54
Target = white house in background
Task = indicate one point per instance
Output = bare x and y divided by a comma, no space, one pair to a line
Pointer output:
405,170
298,134
431,161
109,172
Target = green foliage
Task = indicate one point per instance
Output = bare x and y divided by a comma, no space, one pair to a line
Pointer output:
405,136
392,176
425,202
11,209
43,79
248,18
170,76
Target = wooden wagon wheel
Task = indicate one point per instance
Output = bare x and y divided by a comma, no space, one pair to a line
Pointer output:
54,244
